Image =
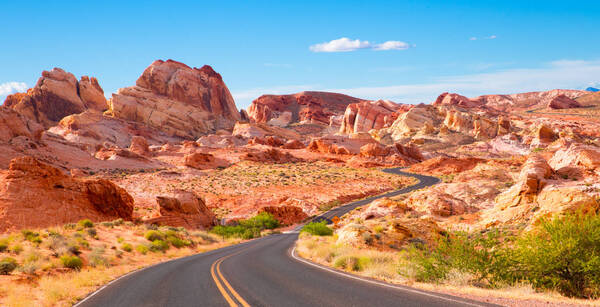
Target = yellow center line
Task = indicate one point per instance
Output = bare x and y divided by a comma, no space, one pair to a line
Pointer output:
221,289
216,266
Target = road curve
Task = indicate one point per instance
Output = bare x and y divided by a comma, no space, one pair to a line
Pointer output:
264,272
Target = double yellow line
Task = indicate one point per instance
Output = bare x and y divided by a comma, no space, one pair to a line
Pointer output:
223,284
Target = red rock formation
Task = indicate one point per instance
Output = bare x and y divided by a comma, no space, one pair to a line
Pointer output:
286,215
307,107
56,95
374,150
367,115
183,209
270,156
445,165
139,145
293,144
523,101
530,183
36,195
268,140
563,102
178,100
199,160
12,125
452,99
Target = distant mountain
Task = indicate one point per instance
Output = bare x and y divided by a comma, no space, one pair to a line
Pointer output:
592,89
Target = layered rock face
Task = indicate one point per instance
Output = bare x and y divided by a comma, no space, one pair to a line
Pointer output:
507,103
12,125
36,195
178,100
367,115
563,102
184,209
304,107
56,95
531,180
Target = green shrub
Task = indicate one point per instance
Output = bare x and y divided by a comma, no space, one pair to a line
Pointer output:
562,254
159,246
31,236
86,223
142,249
127,247
117,222
249,228
351,263
3,245
177,242
71,262
7,265
92,232
260,221
317,229
153,235
17,248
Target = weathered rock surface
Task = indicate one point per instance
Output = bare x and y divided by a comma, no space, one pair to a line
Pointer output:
36,195
576,156
252,130
286,215
304,107
367,115
563,102
452,99
271,155
12,125
178,100
531,181
56,95
183,209
443,165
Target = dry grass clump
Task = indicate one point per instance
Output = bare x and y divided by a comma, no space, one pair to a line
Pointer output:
59,266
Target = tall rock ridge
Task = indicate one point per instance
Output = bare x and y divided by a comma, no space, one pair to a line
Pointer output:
178,100
56,95
304,107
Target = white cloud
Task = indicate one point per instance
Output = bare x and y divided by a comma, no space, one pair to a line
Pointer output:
345,44
565,74
11,87
473,38
392,45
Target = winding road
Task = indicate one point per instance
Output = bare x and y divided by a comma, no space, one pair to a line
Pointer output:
264,272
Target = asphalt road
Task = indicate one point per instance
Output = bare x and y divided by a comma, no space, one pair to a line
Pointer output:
264,272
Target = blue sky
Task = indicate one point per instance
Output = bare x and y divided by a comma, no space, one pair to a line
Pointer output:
260,47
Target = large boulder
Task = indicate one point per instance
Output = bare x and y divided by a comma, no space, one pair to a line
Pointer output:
183,209
178,100
36,195
286,215
530,183
56,95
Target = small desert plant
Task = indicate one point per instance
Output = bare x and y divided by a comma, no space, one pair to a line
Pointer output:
159,246
127,247
3,245
142,249
317,229
7,265
16,249
31,236
86,223
153,235
71,262
96,258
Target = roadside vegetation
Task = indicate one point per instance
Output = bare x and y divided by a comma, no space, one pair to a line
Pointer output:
560,255
249,228
60,265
